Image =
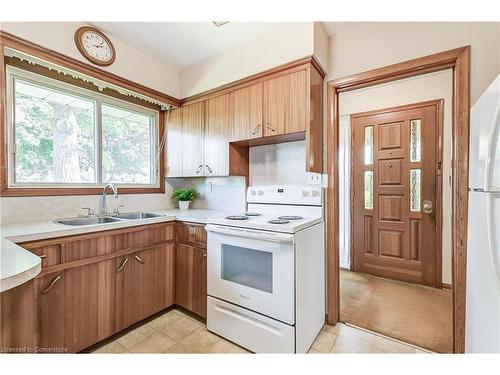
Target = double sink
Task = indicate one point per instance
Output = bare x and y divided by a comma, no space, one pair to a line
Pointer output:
78,221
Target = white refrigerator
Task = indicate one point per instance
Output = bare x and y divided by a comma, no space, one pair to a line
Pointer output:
482,330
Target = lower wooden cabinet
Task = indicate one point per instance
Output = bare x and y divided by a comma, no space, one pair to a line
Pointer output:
191,279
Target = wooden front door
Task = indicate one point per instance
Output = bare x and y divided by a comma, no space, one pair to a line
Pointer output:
395,164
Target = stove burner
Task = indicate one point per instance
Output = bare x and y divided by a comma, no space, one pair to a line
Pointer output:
278,221
237,217
290,217
252,214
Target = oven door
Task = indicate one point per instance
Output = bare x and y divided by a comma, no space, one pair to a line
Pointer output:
252,269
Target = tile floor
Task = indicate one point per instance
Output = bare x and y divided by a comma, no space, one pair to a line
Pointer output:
177,332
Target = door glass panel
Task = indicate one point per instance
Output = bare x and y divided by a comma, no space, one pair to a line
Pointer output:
369,190
249,267
368,145
415,190
415,141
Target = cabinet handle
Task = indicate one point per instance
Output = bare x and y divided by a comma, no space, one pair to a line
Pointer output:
139,259
199,168
125,261
209,169
268,125
256,129
46,290
43,256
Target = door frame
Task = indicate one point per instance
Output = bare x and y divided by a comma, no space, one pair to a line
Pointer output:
459,60
438,144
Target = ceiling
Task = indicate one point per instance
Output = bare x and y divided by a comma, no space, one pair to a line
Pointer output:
183,43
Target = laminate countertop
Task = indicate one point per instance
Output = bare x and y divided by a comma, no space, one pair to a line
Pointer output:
18,265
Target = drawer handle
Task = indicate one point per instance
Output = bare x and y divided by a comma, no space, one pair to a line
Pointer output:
122,265
46,290
138,258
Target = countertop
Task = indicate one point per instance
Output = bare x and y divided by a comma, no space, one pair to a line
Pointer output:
18,265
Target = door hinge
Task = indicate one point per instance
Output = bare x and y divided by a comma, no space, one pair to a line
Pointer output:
12,148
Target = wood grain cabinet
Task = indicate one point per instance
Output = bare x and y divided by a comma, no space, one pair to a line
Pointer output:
173,154
217,136
100,284
246,111
193,127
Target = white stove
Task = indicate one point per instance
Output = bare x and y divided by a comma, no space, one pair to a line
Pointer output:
266,279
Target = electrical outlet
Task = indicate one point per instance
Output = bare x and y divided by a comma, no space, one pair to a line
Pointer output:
324,180
313,178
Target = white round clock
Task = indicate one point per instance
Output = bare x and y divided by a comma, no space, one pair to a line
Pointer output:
95,46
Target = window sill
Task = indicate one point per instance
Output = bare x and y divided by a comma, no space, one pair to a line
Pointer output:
21,192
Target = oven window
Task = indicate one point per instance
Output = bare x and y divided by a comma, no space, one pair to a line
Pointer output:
252,268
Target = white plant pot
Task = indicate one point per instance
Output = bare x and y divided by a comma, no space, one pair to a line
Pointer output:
184,205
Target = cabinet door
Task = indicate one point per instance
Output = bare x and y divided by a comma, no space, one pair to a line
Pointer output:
51,291
191,279
247,112
192,139
173,146
217,136
89,304
152,287
199,304
123,293
285,104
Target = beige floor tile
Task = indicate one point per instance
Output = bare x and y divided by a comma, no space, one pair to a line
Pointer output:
324,342
165,319
135,336
200,341
180,328
177,348
331,329
113,347
225,347
155,343
314,351
383,345
352,340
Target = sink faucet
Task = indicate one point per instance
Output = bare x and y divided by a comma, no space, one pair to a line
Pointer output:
104,209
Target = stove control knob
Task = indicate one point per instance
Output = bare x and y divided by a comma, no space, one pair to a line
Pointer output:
315,193
305,193
261,192
253,192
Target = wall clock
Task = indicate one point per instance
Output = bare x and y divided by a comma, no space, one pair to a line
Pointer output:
95,46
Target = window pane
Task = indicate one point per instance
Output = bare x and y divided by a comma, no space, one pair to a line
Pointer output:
369,145
252,268
415,190
127,146
415,141
369,190
54,132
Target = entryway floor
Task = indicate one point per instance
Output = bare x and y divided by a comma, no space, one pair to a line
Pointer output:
411,313
178,332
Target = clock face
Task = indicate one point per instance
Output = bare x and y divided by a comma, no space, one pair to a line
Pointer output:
95,46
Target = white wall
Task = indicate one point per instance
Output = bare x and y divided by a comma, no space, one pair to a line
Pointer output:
130,63
285,43
321,45
376,44
413,90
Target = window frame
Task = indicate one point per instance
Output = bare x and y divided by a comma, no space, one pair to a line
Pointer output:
14,188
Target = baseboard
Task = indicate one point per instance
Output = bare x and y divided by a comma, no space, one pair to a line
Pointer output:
446,286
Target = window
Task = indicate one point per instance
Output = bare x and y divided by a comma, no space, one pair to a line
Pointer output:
61,135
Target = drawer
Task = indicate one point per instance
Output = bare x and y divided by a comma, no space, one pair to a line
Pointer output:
191,232
246,328
50,254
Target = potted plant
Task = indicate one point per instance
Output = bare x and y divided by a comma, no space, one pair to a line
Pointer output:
184,196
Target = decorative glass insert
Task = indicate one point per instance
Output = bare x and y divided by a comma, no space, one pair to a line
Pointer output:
369,190
369,145
415,143
415,190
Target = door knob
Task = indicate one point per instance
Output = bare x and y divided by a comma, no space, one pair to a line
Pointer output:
428,207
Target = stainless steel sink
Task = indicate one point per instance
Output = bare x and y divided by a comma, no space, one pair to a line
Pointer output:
77,221
136,215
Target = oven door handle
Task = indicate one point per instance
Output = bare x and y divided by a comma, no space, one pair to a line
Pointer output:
258,235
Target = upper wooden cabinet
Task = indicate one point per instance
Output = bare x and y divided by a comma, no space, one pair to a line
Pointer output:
285,104
281,105
217,136
246,109
193,126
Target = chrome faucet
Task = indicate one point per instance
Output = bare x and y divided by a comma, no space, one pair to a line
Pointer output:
104,209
